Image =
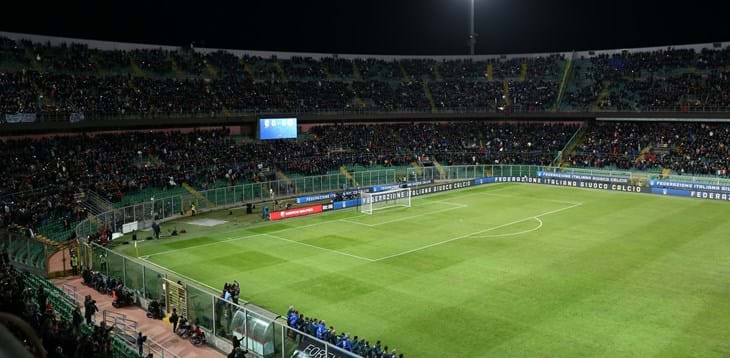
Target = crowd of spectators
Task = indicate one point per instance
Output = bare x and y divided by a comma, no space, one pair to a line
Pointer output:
661,80
685,148
42,175
63,79
60,338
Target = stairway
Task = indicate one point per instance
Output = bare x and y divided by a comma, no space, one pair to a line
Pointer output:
567,74
505,89
356,71
94,203
348,175
569,148
280,71
176,69
197,195
437,73
642,154
136,70
490,72
248,69
403,71
605,92
429,96
523,71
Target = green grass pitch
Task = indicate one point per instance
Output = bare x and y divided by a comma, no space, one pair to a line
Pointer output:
493,271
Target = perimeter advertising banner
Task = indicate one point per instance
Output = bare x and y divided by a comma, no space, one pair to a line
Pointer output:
310,348
708,195
583,177
689,186
292,213
569,183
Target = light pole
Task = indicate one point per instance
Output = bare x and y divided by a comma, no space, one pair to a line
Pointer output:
472,35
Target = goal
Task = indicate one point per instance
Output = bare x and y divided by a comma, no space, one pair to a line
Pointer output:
385,199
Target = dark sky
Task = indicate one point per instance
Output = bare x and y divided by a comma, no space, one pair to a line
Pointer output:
384,27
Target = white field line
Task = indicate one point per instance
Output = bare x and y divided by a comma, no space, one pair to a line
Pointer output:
181,275
403,218
419,198
538,199
456,206
540,223
320,248
476,233
331,221
239,238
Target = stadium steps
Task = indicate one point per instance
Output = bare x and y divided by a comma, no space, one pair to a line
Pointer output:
281,176
280,71
561,160
34,63
94,203
523,71
357,100
505,89
176,71
248,69
642,154
429,96
136,70
605,92
327,74
440,169
437,72
490,72
403,71
197,195
348,175
567,75
356,71
211,70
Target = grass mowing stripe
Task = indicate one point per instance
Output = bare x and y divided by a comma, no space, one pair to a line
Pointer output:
475,233
320,248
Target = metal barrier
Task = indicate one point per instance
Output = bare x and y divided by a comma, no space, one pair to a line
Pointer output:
70,291
123,327
174,206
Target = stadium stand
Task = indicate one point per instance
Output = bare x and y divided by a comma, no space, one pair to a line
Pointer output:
47,180
55,81
47,174
55,319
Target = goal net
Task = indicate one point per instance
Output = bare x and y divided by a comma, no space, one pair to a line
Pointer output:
385,199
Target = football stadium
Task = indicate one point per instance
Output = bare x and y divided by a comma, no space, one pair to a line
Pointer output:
160,199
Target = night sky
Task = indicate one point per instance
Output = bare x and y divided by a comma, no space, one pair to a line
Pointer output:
381,27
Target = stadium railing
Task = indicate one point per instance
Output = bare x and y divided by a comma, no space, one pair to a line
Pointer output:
174,206
103,116
205,308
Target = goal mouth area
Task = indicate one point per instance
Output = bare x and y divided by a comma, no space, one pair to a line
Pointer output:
371,202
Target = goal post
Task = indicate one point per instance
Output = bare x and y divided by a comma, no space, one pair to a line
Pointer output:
370,202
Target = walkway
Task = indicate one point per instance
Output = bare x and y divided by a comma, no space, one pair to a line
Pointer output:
159,331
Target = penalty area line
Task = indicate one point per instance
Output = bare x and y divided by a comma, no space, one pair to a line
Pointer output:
476,233
320,248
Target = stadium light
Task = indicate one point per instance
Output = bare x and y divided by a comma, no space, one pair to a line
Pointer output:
472,35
